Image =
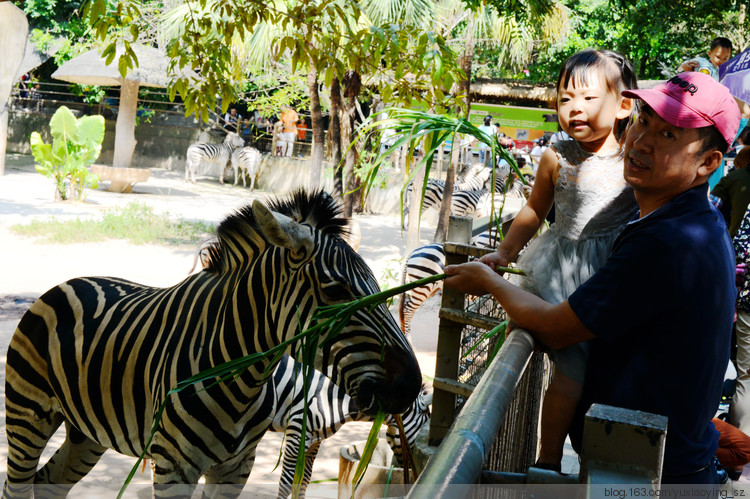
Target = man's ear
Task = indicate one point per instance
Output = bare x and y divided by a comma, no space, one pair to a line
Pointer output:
711,161
626,108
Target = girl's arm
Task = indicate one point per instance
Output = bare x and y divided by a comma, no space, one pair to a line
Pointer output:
531,216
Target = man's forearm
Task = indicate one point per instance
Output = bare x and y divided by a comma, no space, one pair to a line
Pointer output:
556,326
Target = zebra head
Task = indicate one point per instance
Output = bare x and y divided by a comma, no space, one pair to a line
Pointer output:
234,140
413,419
308,264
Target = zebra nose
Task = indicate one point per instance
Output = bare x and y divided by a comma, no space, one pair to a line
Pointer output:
404,381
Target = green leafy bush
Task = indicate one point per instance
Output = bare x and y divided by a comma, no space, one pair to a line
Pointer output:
76,143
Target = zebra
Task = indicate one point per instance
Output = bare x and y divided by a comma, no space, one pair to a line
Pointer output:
213,153
101,353
426,261
473,177
245,161
329,408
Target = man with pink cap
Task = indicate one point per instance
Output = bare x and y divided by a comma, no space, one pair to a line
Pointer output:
660,311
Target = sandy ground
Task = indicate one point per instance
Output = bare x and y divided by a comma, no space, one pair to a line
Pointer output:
29,267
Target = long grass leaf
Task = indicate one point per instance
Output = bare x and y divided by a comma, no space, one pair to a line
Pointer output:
370,445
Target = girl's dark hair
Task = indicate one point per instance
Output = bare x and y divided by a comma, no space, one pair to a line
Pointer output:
487,120
617,71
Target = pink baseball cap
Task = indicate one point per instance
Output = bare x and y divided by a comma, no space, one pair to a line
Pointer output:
693,100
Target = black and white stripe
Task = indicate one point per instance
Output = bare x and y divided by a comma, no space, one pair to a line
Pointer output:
212,153
246,161
427,261
474,177
100,354
329,408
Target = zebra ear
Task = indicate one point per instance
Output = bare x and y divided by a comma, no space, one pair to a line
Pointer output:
282,230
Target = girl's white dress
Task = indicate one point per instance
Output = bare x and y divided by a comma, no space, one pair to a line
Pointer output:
592,206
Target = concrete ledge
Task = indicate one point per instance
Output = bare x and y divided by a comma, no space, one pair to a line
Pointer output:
121,179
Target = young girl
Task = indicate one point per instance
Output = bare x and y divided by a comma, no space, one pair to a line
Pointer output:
583,176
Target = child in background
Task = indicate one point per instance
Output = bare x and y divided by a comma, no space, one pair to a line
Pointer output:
583,177
719,53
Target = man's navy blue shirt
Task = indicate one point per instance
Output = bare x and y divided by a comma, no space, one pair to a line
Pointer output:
662,309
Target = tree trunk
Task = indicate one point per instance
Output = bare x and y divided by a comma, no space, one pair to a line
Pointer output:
335,138
352,196
13,30
316,116
465,61
125,125
415,203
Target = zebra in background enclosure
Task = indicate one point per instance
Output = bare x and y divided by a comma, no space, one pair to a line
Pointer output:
474,177
101,354
212,153
427,261
329,408
246,161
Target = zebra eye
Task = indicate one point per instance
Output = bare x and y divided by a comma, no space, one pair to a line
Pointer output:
336,292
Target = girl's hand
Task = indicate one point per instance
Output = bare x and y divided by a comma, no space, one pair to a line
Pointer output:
499,257
473,278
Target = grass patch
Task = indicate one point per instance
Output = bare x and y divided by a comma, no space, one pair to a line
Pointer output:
135,222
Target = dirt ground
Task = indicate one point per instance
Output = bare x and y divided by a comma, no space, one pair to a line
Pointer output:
29,267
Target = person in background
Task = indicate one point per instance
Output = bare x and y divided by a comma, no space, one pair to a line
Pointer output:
485,157
731,196
24,86
734,448
289,119
232,119
301,135
540,145
280,139
719,53
739,409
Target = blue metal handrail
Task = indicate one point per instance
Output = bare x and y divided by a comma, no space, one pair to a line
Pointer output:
460,457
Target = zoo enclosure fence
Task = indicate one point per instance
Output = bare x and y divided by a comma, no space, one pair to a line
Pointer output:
155,109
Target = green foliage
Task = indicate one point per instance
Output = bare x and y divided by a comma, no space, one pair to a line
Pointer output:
90,94
327,36
135,222
144,114
76,143
683,31
270,91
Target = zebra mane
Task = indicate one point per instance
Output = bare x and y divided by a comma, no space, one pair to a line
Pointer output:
316,208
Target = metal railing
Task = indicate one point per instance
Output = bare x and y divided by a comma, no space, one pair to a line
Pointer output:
462,454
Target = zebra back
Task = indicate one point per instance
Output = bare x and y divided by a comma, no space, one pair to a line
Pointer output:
424,261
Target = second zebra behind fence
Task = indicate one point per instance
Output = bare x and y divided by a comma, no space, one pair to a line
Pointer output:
426,261
329,408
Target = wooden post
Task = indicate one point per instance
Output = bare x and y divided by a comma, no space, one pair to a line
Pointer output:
125,125
449,339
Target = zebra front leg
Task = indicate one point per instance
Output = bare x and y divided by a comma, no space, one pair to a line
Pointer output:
310,454
227,480
291,449
175,472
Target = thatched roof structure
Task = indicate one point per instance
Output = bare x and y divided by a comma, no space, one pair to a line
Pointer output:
504,90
